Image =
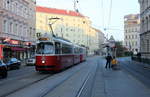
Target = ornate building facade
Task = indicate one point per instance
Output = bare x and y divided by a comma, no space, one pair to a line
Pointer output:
17,27
145,26
132,32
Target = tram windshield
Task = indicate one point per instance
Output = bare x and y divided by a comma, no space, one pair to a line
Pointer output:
45,48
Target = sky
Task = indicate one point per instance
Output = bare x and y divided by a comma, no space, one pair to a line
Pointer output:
109,22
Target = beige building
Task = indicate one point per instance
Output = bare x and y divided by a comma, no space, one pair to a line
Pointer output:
17,27
70,25
132,32
145,25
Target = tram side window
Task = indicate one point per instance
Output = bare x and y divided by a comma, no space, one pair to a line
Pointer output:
66,49
76,50
57,48
81,51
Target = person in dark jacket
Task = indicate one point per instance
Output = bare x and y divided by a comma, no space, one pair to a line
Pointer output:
139,56
108,61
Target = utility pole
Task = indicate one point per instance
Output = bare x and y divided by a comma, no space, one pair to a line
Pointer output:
75,5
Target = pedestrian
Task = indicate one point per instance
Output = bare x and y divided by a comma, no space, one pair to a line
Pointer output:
139,56
114,63
108,61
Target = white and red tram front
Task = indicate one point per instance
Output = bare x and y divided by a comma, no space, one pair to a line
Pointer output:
54,56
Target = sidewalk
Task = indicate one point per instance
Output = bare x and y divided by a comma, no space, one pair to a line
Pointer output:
110,83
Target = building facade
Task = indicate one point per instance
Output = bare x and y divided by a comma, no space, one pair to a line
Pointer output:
70,25
99,42
17,27
132,32
145,26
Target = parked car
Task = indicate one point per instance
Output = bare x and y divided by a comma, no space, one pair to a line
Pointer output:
3,69
30,61
14,63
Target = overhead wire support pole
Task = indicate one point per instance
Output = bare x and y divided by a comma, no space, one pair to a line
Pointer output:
75,5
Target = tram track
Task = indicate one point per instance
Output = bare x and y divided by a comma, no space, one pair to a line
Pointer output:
38,81
62,82
85,83
5,95
6,81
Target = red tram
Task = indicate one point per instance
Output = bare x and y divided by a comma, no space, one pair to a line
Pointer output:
57,54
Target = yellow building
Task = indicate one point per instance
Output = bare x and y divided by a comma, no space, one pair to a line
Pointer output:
68,24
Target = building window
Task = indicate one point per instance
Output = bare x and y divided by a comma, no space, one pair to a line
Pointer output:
30,31
148,49
38,34
20,30
136,43
7,4
11,27
25,12
4,3
16,8
132,43
132,36
5,26
16,29
126,43
136,36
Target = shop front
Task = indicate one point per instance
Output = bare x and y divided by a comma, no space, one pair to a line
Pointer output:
15,48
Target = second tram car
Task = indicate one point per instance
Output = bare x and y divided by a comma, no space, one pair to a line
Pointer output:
57,54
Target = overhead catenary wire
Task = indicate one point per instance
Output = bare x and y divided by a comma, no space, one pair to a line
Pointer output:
110,12
102,9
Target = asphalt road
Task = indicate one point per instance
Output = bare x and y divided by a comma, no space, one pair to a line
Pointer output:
87,79
26,82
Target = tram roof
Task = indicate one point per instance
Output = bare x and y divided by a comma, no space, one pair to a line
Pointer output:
62,40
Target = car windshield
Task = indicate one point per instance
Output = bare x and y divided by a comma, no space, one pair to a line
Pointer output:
45,48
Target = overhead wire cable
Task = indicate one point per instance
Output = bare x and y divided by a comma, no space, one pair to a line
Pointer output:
102,9
110,12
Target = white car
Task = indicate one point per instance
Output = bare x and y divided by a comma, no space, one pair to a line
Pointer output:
30,61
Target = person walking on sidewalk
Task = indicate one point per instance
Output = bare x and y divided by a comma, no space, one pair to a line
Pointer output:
108,61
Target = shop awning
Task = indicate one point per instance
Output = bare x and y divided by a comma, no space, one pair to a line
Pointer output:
17,49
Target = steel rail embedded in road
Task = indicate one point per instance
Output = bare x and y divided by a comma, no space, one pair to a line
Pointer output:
55,86
7,94
85,81
83,86
43,93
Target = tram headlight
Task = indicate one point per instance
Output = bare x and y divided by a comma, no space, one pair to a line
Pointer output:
43,62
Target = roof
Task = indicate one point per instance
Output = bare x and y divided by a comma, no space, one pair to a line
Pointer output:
97,29
57,11
112,39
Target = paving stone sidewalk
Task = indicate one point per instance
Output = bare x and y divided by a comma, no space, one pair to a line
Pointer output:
117,83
